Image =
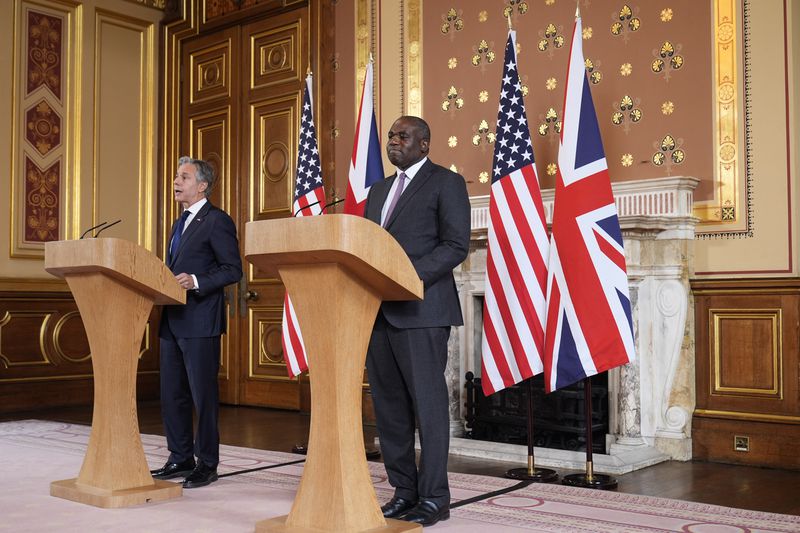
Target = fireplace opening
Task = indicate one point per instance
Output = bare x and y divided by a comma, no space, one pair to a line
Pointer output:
559,419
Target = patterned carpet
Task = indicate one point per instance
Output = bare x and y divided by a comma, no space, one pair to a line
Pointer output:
36,453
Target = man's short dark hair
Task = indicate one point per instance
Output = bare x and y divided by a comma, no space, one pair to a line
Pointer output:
421,125
205,172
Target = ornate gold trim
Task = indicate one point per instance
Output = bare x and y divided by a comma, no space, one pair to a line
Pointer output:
174,34
250,339
57,341
45,315
716,315
414,66
740,415
161,5
725,208
364,37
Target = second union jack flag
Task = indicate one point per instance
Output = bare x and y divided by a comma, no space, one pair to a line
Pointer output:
589,328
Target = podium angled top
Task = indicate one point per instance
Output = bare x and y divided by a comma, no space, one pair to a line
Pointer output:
357,244
123,260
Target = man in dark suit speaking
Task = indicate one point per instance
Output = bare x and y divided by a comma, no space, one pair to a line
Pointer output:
204,256
426,209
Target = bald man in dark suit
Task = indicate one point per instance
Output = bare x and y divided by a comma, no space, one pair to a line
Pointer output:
426,209
204,256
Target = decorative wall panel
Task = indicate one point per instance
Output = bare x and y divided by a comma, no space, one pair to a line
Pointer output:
266,351
747,369
42,107
746,352
45,358
211,73
275,56
274,129
210,141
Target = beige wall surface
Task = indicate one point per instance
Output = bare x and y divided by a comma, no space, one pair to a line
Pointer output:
103,59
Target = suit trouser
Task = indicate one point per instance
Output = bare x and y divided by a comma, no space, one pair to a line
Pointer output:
189,368
406,377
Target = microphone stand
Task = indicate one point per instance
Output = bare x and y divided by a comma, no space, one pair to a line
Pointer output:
106,227
92,228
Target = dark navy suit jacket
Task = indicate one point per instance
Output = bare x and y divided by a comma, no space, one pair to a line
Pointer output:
209,249
431,221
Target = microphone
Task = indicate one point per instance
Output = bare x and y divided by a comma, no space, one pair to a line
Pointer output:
326,206
93,228
312,204
106,227
331,204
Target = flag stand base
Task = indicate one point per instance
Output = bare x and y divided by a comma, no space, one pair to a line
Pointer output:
537,475
595,481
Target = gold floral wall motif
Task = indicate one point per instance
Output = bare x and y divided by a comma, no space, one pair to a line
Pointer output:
44,52
640,56
41,201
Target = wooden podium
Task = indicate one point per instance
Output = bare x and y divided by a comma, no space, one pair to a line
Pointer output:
337,270
115,284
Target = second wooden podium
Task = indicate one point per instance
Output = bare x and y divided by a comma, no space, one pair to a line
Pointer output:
115,284
337,269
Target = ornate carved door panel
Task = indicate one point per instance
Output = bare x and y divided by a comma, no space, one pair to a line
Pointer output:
241,92
275,58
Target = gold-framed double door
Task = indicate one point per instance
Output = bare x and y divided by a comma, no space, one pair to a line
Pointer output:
241,94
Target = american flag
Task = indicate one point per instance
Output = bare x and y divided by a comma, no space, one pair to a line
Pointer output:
309,199
518,248
366,165
589,328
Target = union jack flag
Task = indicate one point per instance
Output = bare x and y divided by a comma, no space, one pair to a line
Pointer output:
309,198
518,248
366,165
589,328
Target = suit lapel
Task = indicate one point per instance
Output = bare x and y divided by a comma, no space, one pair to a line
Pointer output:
416,184
191,229
376,207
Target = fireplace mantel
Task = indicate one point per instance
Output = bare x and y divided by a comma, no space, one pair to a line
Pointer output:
650,400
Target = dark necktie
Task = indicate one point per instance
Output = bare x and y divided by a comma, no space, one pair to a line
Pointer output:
176,239
397,192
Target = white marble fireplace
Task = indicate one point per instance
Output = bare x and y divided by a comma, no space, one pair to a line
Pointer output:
650,400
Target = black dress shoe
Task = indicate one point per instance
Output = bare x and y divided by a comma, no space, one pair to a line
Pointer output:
427,513
171,470
396,507
201,476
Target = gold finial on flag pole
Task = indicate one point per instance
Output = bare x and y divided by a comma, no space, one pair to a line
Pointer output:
370,58
578,9
509,20
308,71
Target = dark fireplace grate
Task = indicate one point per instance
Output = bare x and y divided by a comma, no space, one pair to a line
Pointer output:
559,420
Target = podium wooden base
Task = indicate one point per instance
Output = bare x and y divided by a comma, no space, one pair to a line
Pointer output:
278,525
69,489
